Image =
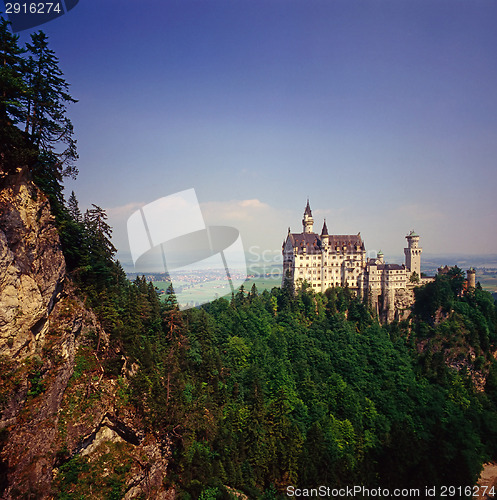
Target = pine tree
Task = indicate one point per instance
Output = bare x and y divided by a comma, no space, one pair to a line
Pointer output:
239,298
36,133
253,292
73,208
100,232
12,88
171,302
46,122
14,150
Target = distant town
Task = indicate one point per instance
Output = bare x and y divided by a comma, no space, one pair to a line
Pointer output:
485,266
192,278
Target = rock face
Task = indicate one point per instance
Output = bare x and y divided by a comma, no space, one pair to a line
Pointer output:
395,305
32,267
65,421
404,299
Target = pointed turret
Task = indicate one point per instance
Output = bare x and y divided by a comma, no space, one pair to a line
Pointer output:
308,209
324,235
307,221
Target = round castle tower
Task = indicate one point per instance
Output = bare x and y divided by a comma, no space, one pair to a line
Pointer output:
471,275
413,253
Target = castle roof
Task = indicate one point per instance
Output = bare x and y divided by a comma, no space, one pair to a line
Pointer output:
391,267
324,232
308,209
312,241
384,267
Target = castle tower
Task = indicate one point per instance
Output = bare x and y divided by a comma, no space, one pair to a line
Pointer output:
325,237
307,221
413,253
380,256
471,275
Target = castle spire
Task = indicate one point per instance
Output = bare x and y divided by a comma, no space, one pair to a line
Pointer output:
308,209
307,221
325,238
324,232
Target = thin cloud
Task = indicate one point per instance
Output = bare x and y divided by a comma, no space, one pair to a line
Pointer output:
234,210
124,210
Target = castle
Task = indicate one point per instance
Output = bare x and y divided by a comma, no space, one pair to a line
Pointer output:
324,261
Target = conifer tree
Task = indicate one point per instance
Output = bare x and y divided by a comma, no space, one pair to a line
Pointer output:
36,132
46,122
100,232
253,292
73,208
12,88
14,151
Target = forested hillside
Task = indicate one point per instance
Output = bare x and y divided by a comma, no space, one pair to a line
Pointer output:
273,390
295,388
277,389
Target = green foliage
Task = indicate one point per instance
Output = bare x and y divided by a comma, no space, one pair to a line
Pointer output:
36,384
70,471
81,477
99,234
15,149
33,99
84,361
301,388
414,277
316,392
13,86
45,120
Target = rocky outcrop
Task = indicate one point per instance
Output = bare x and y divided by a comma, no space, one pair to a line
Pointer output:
394,305
404,299
62,414
32,267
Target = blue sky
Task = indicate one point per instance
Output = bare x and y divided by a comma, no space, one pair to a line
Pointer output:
382,112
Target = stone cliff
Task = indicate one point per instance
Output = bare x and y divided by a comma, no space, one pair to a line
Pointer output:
32,268
61,412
